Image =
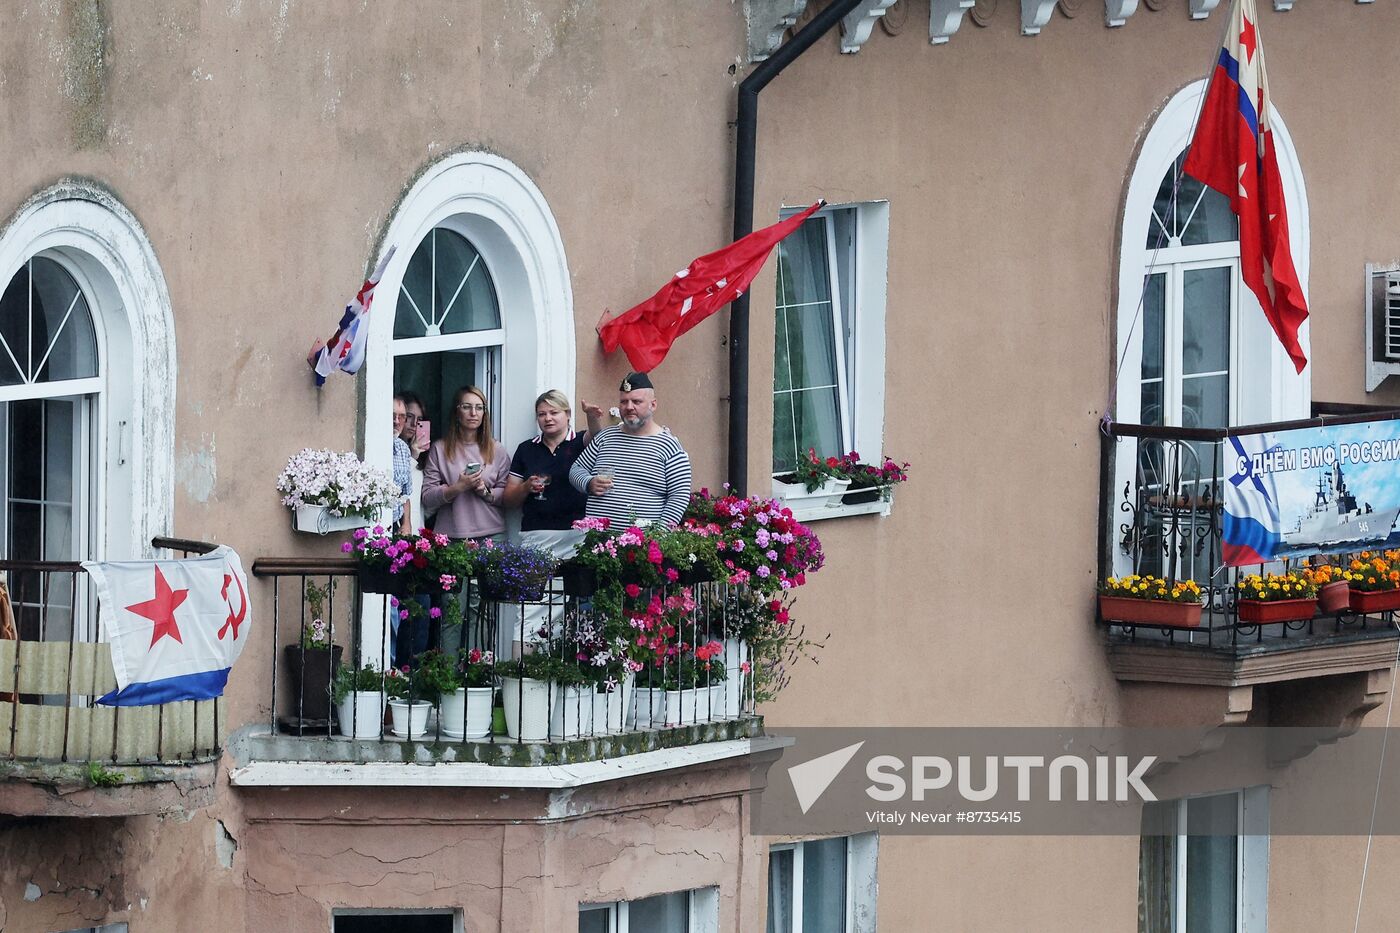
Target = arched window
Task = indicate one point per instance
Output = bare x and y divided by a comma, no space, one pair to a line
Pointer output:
49,371
1193,347
447,326
87,386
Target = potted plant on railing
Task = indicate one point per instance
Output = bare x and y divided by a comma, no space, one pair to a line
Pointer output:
528,687
813,481
747,618
466,709
1333,593
312,661
871,482
1374,581
409,565
758,543
359,700
513,573
1149,600
1275,597
408,701
330,491
688,683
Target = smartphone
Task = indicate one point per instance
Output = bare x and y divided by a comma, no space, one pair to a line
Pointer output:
473,469
421,439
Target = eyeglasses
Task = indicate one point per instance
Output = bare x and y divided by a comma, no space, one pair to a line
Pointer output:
400,416
467,406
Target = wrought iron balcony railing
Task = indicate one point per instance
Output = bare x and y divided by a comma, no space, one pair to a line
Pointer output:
1162,513
327,627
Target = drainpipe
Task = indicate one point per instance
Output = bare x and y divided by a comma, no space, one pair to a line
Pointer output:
744,157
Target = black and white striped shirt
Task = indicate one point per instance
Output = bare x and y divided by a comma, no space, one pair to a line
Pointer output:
651,476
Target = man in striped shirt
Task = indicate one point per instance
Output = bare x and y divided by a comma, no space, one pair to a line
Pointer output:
634,471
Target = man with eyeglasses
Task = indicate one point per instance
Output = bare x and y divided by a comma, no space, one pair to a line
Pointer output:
403,468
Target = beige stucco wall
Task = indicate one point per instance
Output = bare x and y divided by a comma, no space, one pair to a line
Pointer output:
264,145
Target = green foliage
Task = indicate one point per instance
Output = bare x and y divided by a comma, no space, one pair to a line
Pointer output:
348,680
98,776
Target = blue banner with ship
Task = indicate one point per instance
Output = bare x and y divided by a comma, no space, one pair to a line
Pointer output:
1310,491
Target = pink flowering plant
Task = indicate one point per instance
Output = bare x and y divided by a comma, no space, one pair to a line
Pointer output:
423,563
698,666
757,541
883,476
477,668
338,481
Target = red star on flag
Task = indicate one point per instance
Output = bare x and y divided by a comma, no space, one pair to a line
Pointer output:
1248,39
160,609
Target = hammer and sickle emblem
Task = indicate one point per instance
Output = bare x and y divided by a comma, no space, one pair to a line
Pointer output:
234,619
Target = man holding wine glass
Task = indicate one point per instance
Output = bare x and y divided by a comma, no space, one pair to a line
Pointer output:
634,471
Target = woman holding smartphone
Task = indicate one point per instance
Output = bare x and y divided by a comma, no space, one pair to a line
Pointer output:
465,479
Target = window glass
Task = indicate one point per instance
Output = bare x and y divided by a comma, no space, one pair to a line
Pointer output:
446,289
809,365
46,329
1188,213
1212,867
595,920
780,891
664,913
824,886
394,922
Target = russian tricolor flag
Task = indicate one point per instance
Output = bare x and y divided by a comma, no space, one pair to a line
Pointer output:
1251,533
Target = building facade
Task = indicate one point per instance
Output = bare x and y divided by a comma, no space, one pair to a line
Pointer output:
191,191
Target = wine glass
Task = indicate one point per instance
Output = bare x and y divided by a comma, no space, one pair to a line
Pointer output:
544,481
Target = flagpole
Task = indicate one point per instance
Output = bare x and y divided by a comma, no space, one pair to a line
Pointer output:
1106,420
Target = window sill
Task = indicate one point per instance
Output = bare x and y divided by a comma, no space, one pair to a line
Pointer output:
809,514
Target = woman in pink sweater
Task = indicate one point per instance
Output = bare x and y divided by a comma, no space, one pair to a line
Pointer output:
465,479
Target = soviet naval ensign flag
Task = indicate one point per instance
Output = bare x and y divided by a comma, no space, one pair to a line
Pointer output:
1233,152
647,331
175,626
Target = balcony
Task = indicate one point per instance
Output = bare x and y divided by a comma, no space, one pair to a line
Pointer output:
1163,493
61,754
557,736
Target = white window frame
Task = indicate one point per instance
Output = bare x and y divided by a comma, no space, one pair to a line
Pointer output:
702,908
1270,389
458,924
862,887
105,249
1173,376
1251,859
860,356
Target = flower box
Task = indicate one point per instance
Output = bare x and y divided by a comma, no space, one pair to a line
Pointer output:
1334,597
1278,610
1149,612
1375,601
318,520
380,580
863,495
828,494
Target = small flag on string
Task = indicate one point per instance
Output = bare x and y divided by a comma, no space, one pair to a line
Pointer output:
346,348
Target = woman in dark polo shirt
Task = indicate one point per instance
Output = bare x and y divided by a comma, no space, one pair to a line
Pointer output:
539,479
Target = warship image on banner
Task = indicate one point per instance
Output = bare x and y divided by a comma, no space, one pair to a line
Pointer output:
1335,517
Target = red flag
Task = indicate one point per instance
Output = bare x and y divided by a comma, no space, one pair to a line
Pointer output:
647,331
1233,152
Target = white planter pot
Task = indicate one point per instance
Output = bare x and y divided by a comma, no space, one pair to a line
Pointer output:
682,707
648,709
410,720
573,713
736,655
828,494
526,702
318,520
716,708
466,713
361,714
611,711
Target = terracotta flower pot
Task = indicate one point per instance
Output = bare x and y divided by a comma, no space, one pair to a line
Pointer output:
1334,597
1380,601
1149,612
1279,610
